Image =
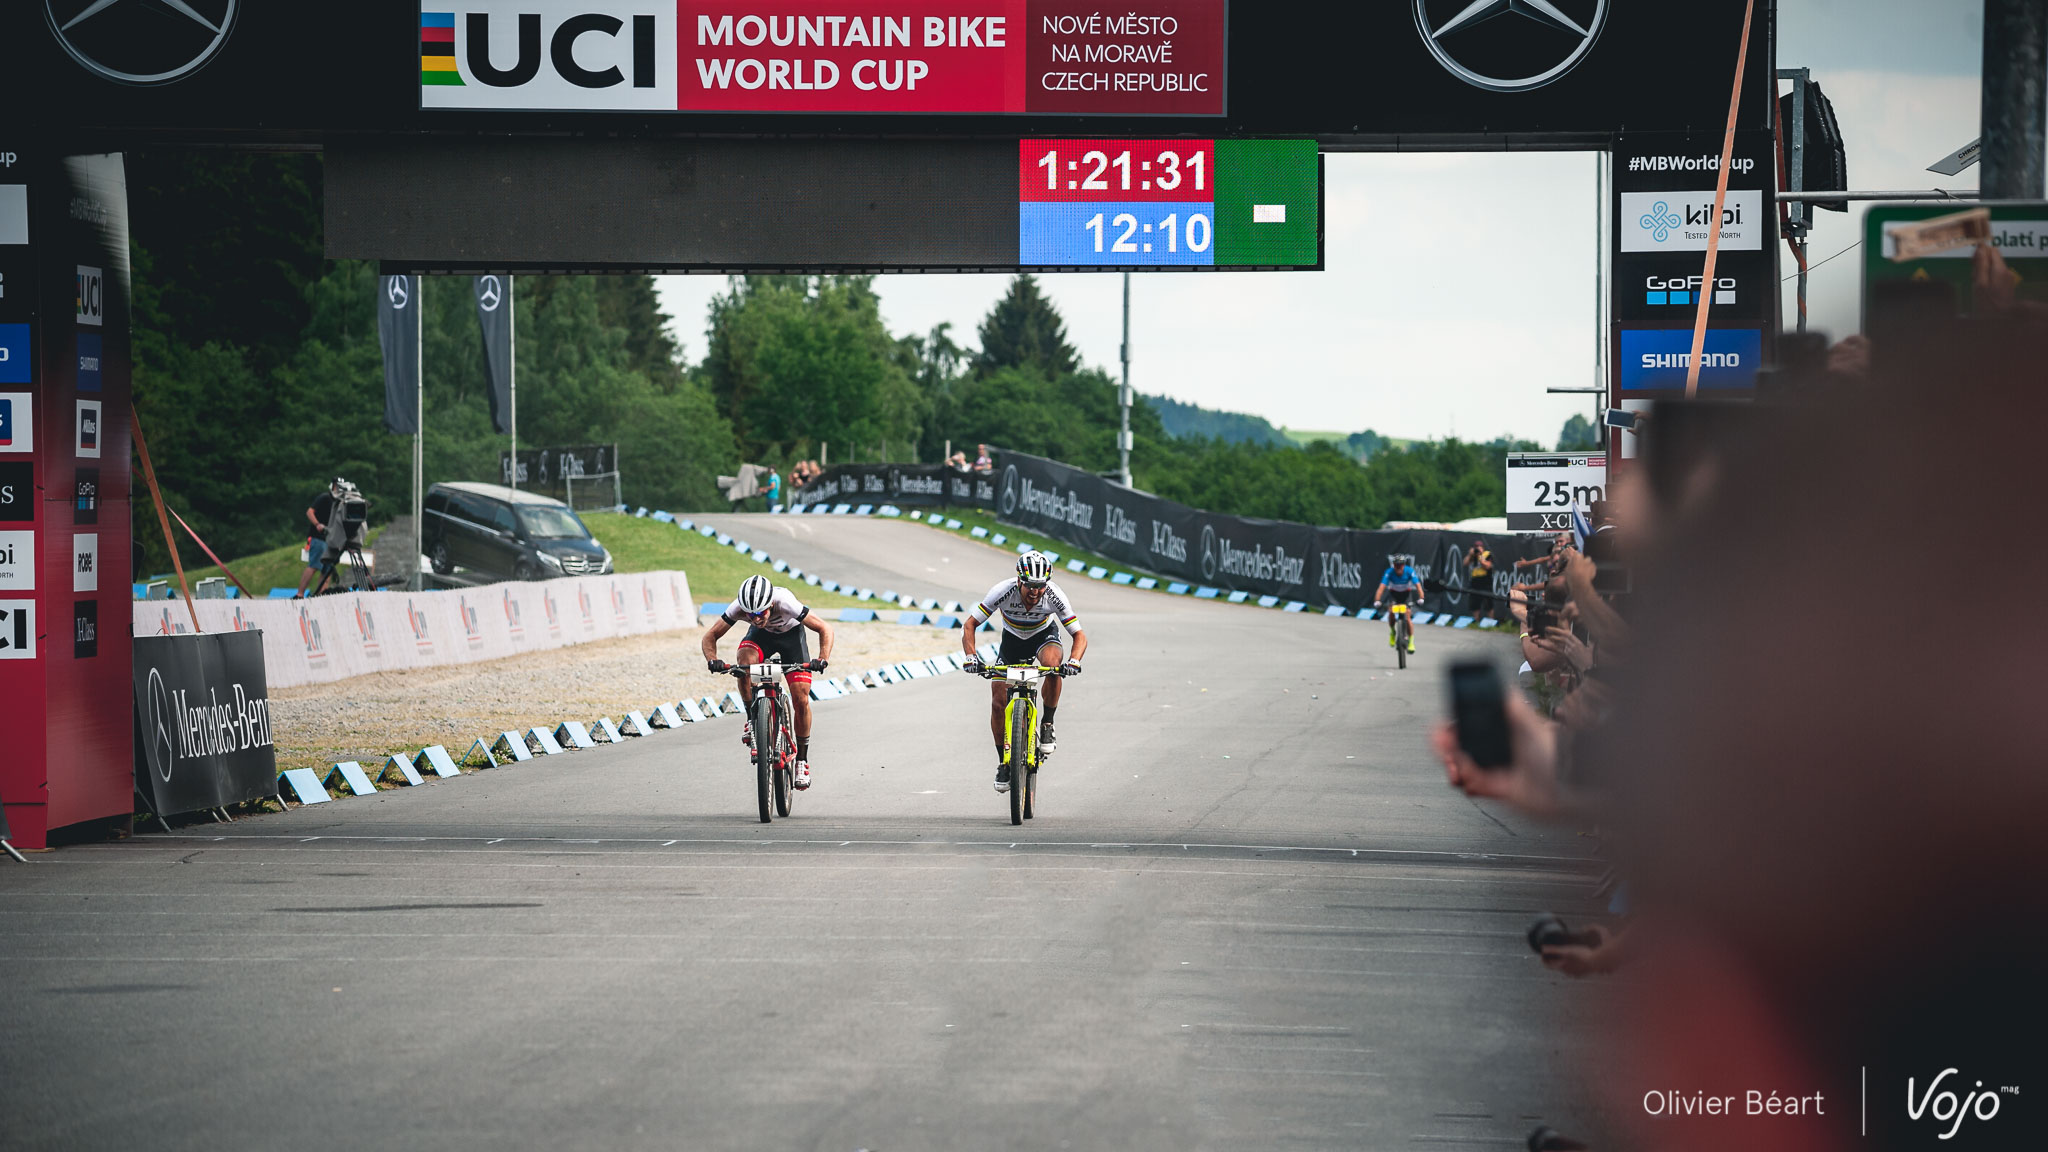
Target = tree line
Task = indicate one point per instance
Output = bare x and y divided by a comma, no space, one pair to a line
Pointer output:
258,378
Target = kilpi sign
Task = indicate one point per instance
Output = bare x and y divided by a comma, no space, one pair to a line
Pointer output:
1544,487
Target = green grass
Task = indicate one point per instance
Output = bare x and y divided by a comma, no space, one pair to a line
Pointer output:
261,571
715,570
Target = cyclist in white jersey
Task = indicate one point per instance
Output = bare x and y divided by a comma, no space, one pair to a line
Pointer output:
776,621
1033,609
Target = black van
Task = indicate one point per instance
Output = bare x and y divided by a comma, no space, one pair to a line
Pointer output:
498,533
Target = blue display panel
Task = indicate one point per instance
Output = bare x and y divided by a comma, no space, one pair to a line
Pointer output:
1098,233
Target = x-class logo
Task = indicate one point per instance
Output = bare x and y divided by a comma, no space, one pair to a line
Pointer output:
1510,45
1659,221
141,41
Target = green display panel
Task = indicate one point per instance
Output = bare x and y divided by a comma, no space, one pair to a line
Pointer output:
2019,230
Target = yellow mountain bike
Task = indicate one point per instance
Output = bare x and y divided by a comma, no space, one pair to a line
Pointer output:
1020,731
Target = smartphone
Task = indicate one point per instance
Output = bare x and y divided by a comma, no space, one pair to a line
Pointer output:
1611,579
1479,711
1620,418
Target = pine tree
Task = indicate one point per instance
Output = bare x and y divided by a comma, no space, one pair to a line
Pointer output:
1025,330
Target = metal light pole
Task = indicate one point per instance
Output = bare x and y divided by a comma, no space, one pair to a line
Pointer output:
512,385
1123,436
419,424
2015,90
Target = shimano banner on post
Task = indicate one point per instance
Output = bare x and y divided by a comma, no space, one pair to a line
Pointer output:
398,332
1317,566
202,721
494,319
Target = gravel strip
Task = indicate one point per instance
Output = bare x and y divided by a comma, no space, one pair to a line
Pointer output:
367,718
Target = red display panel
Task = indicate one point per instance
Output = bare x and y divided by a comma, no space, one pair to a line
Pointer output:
1117,170
991,57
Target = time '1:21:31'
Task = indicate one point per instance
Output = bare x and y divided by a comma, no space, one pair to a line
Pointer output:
1166,172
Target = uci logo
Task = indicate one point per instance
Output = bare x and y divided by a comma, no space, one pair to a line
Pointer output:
1945,1107
610,54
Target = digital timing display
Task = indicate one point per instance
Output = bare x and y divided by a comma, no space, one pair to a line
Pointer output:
1154,203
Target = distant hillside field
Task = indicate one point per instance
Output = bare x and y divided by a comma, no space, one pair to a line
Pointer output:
1183,421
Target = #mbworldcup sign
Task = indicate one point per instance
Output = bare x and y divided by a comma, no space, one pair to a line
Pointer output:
141,41
1509,45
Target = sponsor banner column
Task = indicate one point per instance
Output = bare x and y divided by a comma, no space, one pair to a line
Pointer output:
1663,216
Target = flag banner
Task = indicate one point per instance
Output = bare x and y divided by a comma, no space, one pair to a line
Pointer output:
494,320
398,333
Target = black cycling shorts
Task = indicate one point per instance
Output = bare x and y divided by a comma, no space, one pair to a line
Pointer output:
1402,595
1017,649
790,647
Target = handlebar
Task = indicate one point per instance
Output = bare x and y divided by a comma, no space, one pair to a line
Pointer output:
999,671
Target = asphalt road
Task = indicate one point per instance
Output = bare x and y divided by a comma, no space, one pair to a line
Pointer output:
1250,914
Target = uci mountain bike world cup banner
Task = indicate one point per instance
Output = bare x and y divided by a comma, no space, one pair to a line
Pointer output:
969,57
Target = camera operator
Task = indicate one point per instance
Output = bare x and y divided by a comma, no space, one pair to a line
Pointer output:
318,514
1479,567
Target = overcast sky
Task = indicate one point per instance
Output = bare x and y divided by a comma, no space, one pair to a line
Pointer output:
1440,313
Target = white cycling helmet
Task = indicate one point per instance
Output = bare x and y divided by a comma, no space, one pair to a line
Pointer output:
1033,569
755,593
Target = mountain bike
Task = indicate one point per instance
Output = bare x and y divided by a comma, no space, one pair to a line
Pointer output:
1404,629
774,744
1020,731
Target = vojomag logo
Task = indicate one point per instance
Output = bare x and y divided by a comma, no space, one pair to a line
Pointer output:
545,54
1953,1102
1510,45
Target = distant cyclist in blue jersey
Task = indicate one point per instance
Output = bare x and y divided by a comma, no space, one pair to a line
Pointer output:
1400,584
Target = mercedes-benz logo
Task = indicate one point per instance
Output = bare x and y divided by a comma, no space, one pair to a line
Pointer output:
1208,552
399,290
1542,43
162,751
1454,575
141,41
487,293
1009,500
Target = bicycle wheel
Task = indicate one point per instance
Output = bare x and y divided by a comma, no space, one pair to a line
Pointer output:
1030,790
1023,715
763,720
785,771
1401,639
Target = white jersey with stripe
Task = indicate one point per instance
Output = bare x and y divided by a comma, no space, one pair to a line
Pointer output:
1006,600
785,611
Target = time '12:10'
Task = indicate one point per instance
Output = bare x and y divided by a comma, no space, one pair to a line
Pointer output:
1197,237
1090,173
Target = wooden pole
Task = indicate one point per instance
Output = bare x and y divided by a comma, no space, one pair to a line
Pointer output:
149,474
1699,324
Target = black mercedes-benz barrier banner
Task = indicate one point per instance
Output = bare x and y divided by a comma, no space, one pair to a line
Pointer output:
494,319
545,470
398,333
915,485
202,721
1317,566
